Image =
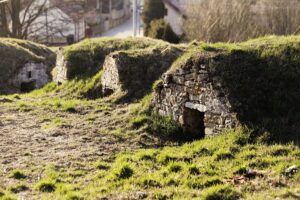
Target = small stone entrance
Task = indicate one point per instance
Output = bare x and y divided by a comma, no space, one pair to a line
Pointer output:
27,86
194,122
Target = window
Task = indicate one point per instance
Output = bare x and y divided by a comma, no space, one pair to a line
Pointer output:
105,6
29,74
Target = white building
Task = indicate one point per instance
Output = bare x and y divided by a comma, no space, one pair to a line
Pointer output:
57,25
176,14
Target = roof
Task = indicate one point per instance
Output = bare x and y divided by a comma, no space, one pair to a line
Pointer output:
178,5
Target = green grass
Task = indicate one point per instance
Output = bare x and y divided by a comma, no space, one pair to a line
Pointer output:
21,187
54,123
86,58
220,192
18,174
46,186
202,168
88,88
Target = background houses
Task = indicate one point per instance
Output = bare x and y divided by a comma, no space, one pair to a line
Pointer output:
65,21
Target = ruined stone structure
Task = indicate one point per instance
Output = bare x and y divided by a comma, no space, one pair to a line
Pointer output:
31,76
61,68
136,71
25,66
192,97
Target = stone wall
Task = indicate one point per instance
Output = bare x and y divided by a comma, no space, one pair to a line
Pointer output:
61,68
193,89
136,71
31,76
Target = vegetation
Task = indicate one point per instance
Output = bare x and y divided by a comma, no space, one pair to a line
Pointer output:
17,174
153,10
85,146
218,21
159,29
86,58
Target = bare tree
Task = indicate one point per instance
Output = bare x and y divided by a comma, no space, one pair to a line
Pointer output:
13,23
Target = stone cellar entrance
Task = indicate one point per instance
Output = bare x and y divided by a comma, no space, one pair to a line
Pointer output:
194,122
27,86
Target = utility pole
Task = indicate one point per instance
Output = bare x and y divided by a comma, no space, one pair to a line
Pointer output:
134,17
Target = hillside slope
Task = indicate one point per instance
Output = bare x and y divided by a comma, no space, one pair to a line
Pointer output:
68,141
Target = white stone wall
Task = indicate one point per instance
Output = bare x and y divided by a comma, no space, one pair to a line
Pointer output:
37,72
175,20
110,77
61,68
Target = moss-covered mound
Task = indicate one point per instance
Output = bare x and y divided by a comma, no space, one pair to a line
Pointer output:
135,71
86,58
16,53
260,79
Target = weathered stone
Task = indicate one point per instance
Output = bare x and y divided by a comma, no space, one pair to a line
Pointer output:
31,76
201,108
61,68
199,94
136,71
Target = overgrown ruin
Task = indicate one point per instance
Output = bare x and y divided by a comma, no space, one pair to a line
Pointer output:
136,71
86,58
27,66
195,99
214,87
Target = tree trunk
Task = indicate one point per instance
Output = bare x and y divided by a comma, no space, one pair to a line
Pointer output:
15,16
3,21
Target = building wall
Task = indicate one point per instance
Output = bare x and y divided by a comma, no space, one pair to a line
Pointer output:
36,73
175,20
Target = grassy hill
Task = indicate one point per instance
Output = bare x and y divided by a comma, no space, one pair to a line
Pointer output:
61,142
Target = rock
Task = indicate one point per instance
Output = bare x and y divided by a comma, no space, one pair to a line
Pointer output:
291,170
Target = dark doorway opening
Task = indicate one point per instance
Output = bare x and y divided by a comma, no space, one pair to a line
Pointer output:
27,86
29,74
194,122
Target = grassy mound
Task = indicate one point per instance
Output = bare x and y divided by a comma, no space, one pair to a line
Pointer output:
260,79
15,53
86,58
134,71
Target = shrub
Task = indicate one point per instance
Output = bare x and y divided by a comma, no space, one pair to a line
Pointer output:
152,10
102,165
216,20
220,192
73,196
138,121
159,29
124,172
18,174
18,188
174,167
46,186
